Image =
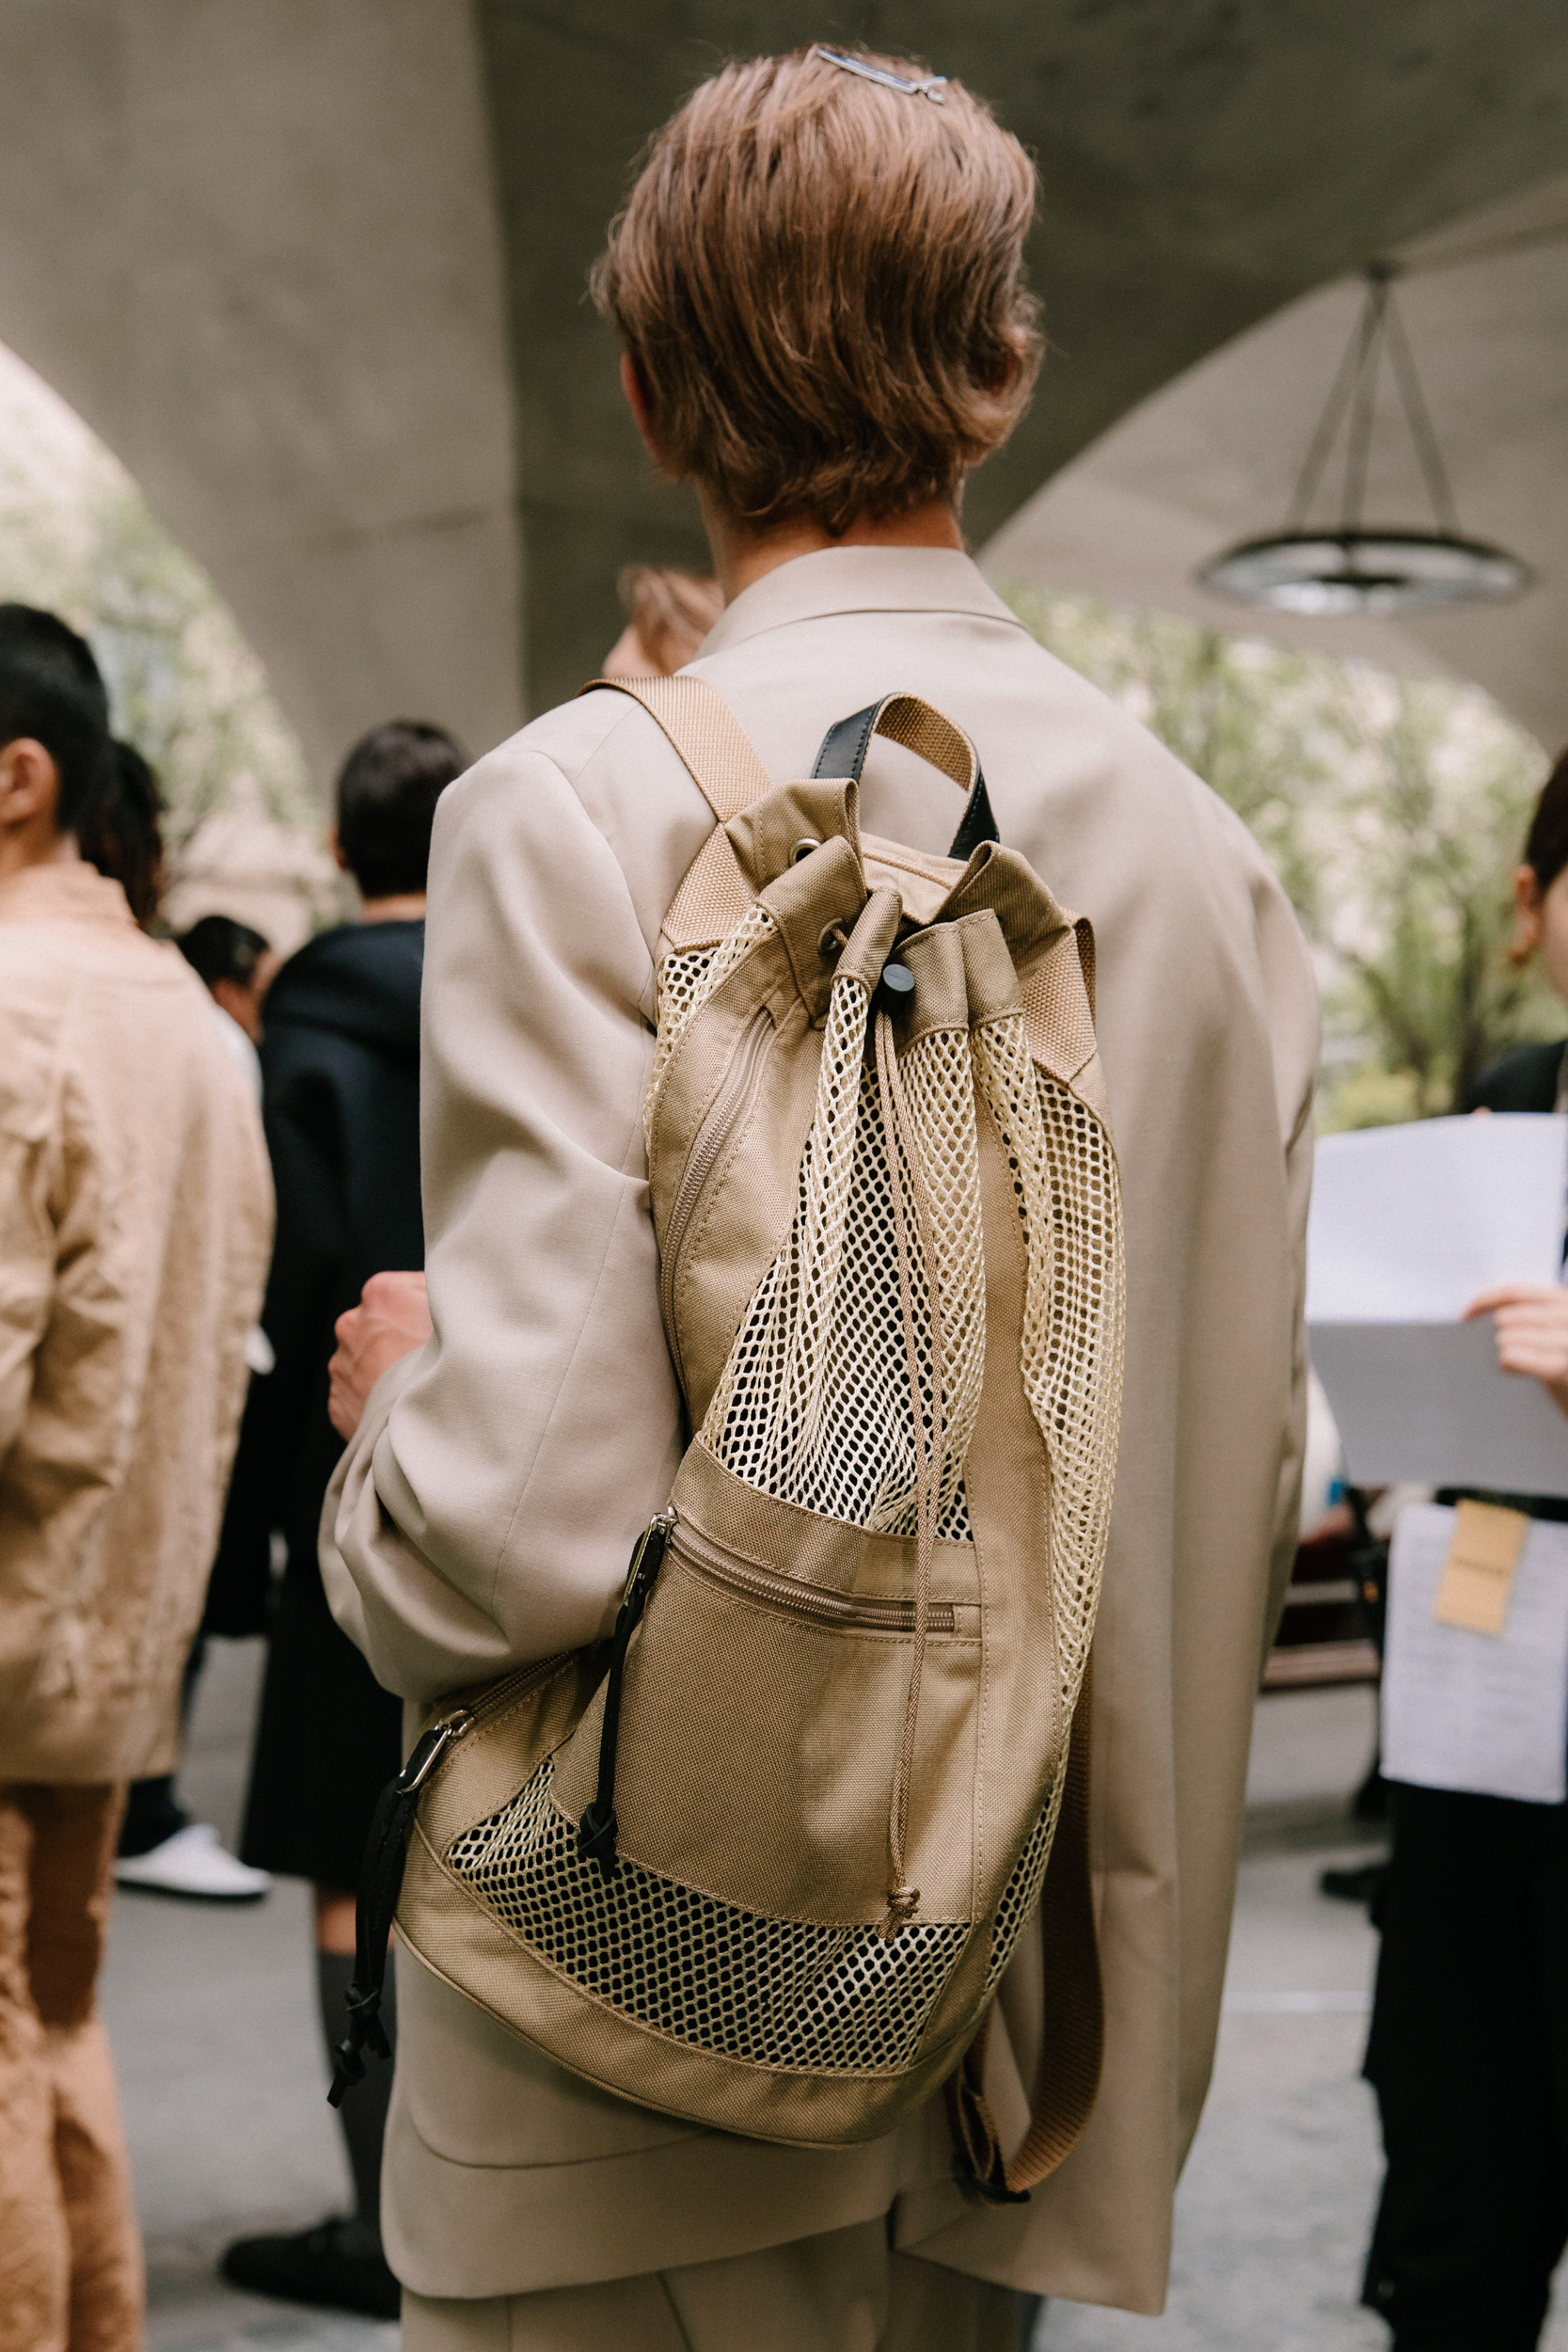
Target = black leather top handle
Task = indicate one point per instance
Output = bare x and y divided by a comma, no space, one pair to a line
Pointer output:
906,718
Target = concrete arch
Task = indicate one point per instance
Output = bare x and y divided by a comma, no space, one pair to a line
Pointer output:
316,273
254,247
1213,458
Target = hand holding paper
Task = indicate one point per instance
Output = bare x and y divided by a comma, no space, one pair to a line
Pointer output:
1531,1325
1417,1234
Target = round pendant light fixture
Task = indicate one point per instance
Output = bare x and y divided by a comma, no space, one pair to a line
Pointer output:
1350,567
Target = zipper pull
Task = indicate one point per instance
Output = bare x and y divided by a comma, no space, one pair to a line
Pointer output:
648,1553
428,1750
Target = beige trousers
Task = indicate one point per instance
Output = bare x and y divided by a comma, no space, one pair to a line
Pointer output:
842,2292
71,2271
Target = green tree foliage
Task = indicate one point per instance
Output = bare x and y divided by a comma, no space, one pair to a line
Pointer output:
1393,811
77,536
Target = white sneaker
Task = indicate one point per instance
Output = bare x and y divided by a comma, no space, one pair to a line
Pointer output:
195,1864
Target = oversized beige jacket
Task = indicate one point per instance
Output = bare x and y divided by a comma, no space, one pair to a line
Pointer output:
135,1223
487,1509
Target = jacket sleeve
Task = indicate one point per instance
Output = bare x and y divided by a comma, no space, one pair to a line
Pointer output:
30,1206
484,1515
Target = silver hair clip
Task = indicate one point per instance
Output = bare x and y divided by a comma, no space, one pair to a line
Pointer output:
934,86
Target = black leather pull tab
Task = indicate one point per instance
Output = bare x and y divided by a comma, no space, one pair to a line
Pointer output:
380,1884
597,1826
842,754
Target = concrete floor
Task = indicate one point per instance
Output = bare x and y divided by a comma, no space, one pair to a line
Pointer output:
212,2016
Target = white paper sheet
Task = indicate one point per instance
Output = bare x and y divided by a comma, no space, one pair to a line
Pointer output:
1409,1223
1470,1710
1425,1404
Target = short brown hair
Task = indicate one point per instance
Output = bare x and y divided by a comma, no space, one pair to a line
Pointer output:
820,281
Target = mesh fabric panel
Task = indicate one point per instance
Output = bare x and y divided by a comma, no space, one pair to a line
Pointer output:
813,1404
684,984
782,1993
1024,1881
1065,1176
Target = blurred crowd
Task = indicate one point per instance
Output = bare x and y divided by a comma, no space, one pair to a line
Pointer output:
205,1152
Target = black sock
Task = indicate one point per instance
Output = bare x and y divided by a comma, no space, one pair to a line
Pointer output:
153,1815
363,2113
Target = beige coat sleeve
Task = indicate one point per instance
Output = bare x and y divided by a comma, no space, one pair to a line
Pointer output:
32,1185
484,1513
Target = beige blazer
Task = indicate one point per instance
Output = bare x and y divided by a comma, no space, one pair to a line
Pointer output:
486,1512
135,1224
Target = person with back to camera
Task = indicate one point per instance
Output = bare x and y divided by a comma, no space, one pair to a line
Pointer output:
135,1216
162,1850
501,1466
1468,2047
237,966
341,1072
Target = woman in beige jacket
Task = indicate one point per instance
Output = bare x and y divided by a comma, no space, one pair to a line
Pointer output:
817,285
135,1220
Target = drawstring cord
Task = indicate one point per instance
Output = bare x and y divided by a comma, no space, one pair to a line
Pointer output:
897,1128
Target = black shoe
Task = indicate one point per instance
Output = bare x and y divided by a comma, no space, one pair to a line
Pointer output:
324,2267
1363,1884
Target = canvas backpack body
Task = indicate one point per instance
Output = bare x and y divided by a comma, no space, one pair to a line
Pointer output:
762,1861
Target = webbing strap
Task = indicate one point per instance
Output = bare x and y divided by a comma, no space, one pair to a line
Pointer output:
908,720
1075,2024
707,735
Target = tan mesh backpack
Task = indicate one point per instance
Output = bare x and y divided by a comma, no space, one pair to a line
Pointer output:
761,1860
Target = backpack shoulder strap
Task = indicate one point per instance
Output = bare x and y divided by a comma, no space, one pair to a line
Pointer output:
714,894
706,732
1074,2023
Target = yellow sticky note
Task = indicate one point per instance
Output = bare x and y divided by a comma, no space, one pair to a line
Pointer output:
1478,1574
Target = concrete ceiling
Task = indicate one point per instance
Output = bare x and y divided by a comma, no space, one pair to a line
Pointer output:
1214,458
254,244
316,273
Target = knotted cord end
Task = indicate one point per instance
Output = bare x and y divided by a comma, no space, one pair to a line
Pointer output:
596,1834
902,1904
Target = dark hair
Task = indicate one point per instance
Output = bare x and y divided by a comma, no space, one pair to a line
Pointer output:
50,688
124,836
387,796
1546,846
220,949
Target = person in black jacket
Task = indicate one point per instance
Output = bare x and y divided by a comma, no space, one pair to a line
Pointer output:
1468,2049
340,1099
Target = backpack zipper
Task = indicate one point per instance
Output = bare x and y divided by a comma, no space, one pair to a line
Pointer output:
734,1097
430,1747
805,1600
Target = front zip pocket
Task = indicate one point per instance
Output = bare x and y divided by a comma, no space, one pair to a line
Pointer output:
735,1097
812,1601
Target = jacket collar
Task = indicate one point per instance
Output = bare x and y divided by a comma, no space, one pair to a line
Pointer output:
71,892
858,580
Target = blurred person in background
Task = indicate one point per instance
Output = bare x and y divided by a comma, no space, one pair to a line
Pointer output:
124,836
1469,2048
668,615
341,1078
136,1217
162,1850
238,967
